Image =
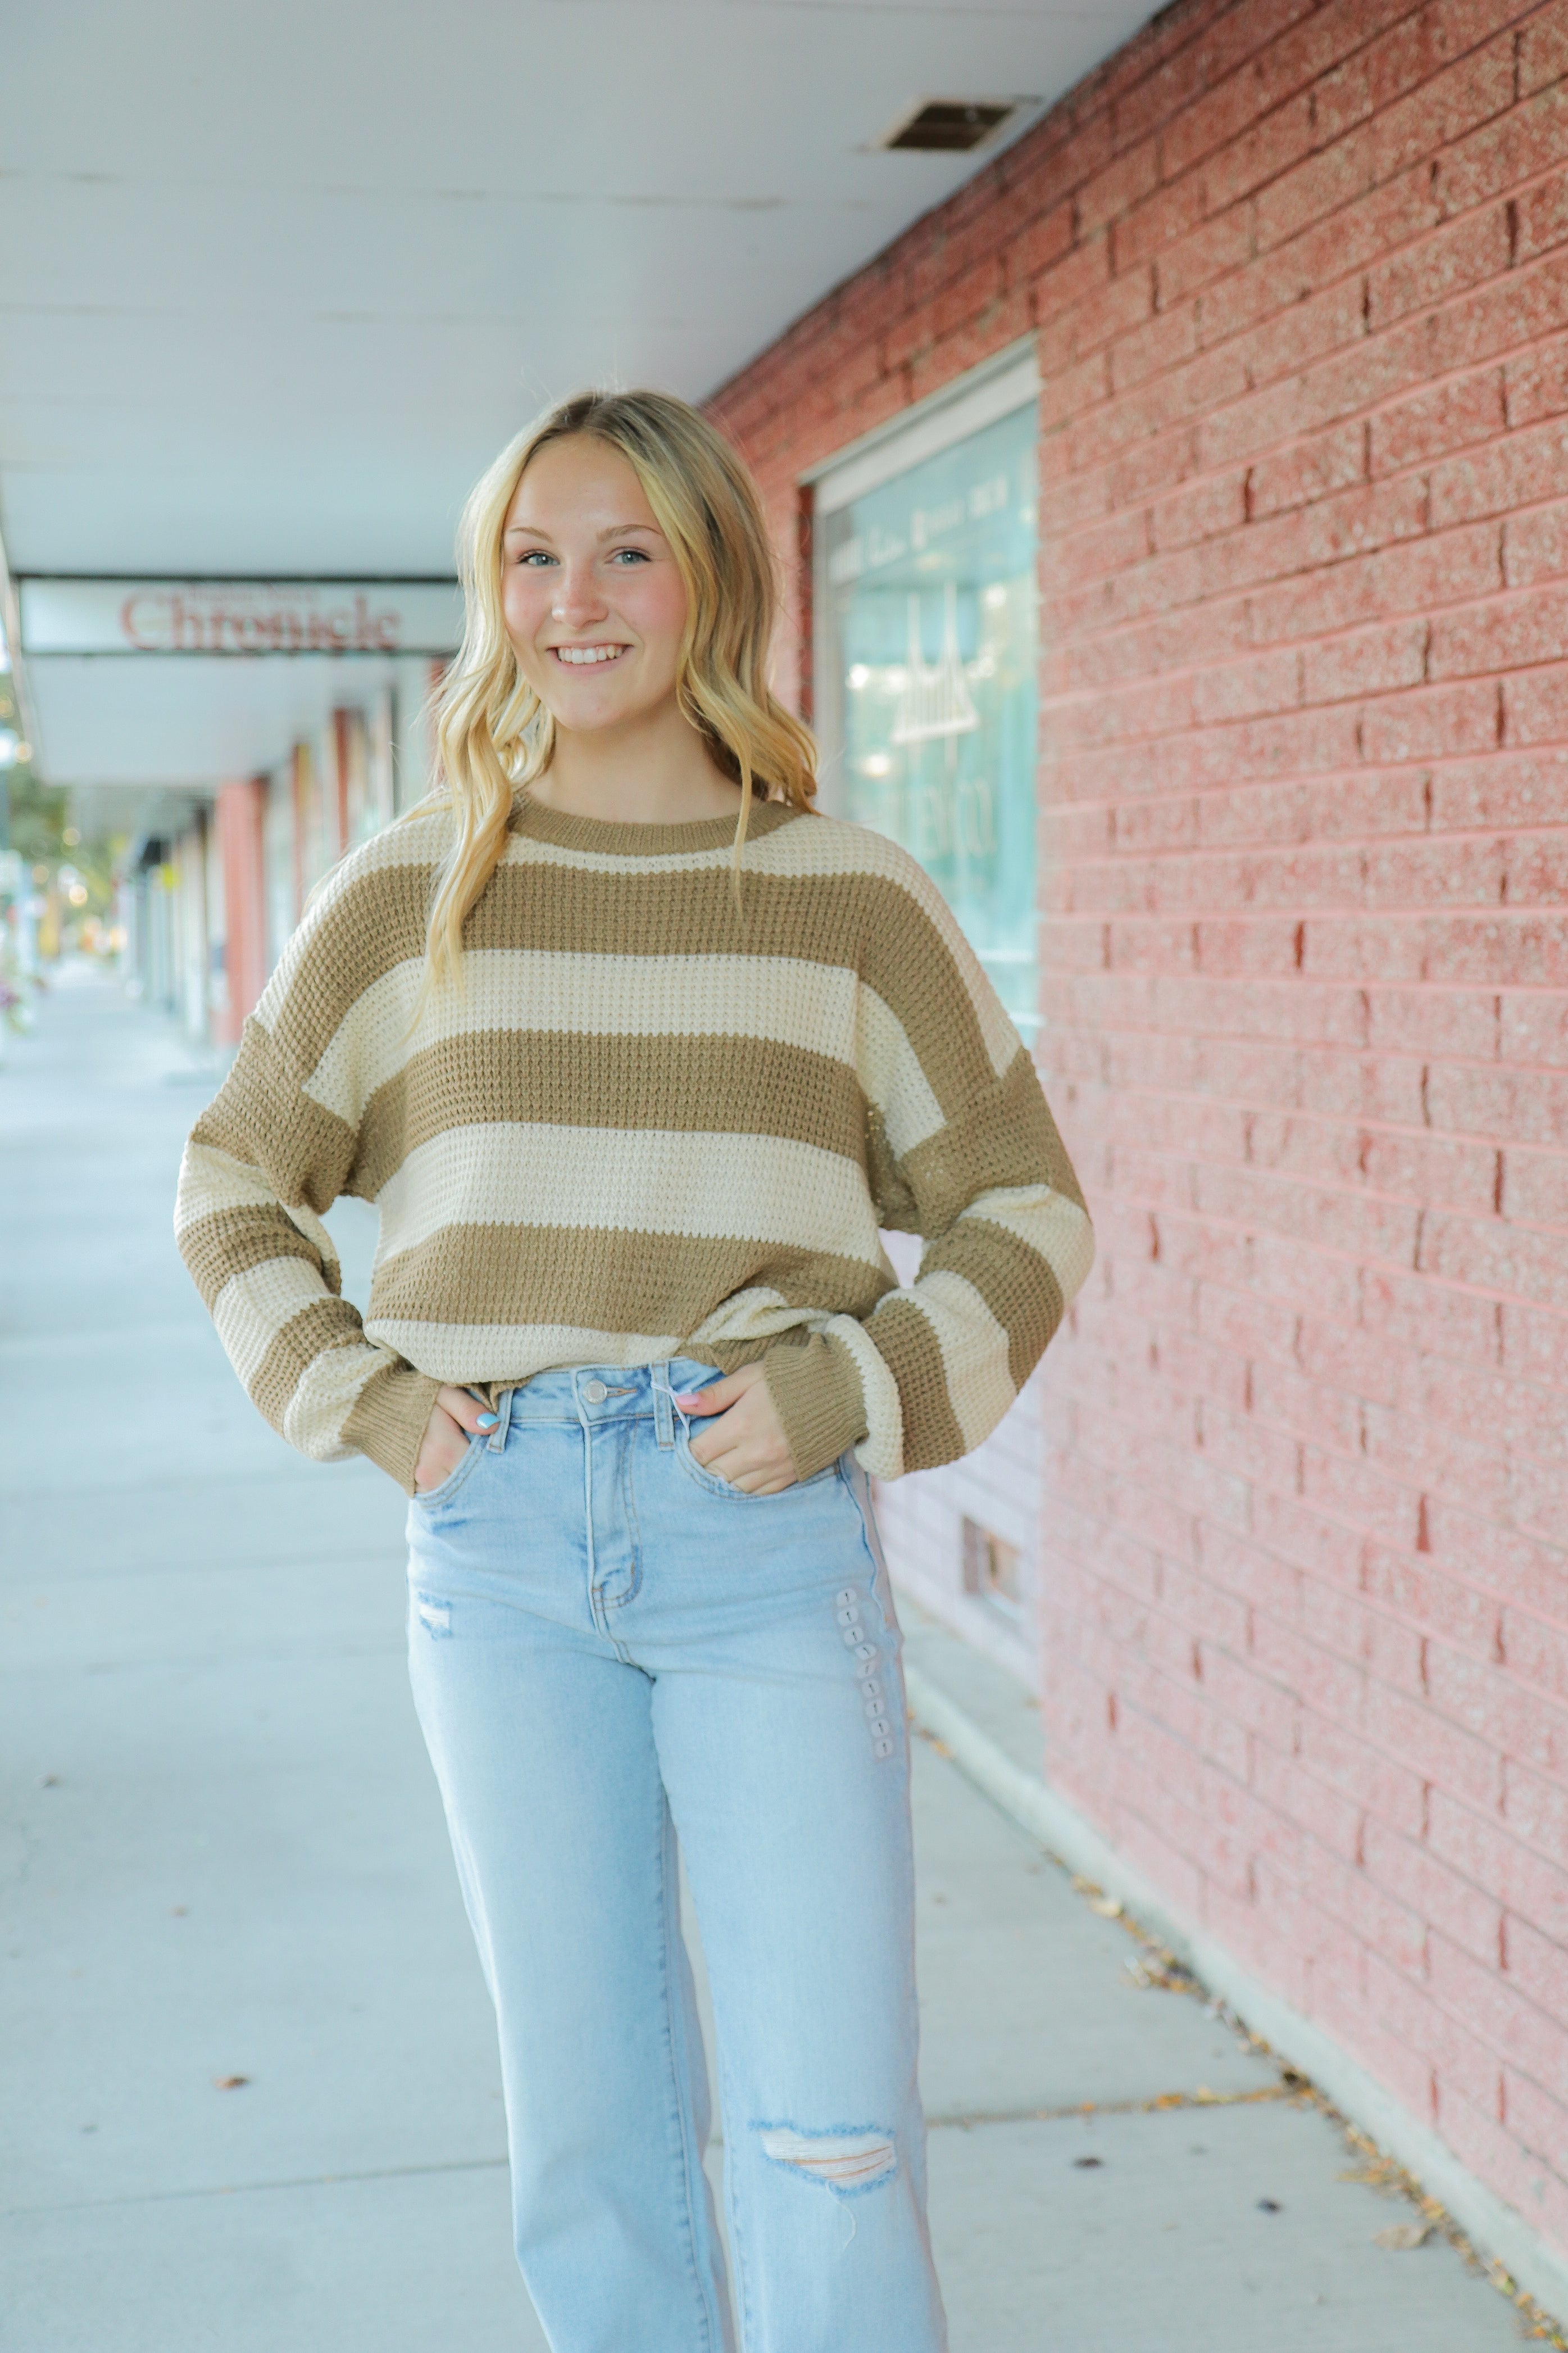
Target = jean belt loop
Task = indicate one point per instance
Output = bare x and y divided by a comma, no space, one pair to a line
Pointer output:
663,1410
497,1440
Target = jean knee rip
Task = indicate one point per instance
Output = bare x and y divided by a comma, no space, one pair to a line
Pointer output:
847,2161
874,1704
434,1615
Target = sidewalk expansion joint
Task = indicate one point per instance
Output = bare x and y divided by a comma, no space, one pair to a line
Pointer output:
1161,2102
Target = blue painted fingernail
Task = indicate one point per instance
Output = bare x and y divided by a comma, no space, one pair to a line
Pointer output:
489,1420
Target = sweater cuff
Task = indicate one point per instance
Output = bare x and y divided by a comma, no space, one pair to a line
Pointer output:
389,1420
817,1394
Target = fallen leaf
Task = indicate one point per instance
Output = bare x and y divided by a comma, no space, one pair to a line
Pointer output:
230,2082
1085,2164
1401,2236
1269,2206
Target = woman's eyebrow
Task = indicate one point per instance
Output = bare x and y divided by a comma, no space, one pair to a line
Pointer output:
615,530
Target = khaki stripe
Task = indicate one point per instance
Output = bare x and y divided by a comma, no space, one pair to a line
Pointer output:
882,1450
714,1085
212,1180
1056,1227
888,922
973,1346
388,1421
1017,1282
810,850
1005,1139
914,1355
255,1306
231,1241
961,1037
668,1001
532,843
327,1392
651,1182
524,1275
382,883
261,1118
326,1324
781,1001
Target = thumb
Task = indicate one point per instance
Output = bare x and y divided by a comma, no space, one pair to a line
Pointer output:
466,1410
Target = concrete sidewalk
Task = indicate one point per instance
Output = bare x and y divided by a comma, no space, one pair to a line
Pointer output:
250,2095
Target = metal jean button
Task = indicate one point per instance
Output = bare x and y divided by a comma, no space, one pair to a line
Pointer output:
595,1392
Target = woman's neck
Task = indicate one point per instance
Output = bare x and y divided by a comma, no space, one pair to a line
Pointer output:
655,773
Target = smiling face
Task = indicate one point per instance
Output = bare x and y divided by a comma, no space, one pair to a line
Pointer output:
592,599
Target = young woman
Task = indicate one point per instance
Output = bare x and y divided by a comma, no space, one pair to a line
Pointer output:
635,1053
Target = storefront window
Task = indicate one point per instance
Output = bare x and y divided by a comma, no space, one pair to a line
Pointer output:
926,596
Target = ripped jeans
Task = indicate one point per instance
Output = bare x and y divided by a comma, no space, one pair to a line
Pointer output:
608,1646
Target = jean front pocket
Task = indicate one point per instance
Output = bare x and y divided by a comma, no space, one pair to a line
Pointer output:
711,1485
432,1497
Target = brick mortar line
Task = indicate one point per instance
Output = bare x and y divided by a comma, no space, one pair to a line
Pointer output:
1302,372
1429,538
1066,1832
1270,255
816,325
927,301
1205,156
1421,1985
1411,767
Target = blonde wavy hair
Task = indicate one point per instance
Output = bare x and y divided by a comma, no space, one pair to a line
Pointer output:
493,733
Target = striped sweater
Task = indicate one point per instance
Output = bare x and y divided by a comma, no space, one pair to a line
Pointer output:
645,1126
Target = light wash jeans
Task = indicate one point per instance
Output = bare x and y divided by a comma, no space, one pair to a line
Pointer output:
609,1645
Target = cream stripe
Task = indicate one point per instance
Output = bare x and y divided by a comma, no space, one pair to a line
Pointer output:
420,841
252,1309
650,1181
882,1450
1049,1223
816,846
974,1348
889,1072
529,849
212,1180
832,846
784,1000
329,1389
759,1313
512,1352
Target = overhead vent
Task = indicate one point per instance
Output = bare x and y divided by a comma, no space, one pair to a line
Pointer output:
951,126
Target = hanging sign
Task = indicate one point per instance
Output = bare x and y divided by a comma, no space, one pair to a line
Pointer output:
239,617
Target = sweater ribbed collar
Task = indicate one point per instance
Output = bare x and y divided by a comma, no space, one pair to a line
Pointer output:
605,836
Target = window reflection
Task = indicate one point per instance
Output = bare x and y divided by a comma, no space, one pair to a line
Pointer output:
930,611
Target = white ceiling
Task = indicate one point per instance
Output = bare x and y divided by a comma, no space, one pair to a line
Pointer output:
275,283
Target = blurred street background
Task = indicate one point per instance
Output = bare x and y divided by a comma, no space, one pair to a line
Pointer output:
1162,418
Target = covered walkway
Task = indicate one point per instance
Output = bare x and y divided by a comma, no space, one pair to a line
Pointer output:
250,2093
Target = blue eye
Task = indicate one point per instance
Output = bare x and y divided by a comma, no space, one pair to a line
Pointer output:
638,554
536,556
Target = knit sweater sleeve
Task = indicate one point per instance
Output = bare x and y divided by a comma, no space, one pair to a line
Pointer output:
963,1151
262,1163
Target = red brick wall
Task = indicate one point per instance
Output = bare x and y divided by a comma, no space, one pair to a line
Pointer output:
1299,278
